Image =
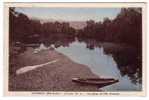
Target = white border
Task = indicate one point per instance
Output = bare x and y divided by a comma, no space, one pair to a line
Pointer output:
93,4
75,0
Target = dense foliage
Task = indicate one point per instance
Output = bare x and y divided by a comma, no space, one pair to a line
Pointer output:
125,28
26,30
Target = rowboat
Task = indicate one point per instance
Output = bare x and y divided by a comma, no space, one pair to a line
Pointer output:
100,82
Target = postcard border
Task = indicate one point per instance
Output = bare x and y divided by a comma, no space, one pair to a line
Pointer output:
143,5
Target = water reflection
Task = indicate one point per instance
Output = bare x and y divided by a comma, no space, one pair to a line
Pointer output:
103,63
128,59
95,59
104,59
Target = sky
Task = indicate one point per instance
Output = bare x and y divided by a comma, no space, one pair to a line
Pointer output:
70,14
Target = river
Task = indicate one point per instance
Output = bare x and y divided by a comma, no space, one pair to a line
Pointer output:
100,63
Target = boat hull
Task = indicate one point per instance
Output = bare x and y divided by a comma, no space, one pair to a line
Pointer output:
99,82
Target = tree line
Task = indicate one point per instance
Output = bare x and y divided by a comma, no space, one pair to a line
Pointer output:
26,30
125,28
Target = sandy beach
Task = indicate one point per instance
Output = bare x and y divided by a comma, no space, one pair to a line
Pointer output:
52,77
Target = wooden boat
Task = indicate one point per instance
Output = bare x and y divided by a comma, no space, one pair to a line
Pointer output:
100,82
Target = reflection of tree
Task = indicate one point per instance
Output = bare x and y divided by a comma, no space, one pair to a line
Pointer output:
28,31
128,63
60,42
125,28
128,60
24,32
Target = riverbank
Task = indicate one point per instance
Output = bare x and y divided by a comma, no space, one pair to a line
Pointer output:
52,77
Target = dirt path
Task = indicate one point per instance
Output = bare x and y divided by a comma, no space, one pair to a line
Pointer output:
53,77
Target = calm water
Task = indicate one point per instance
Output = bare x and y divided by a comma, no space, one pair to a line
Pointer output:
100,63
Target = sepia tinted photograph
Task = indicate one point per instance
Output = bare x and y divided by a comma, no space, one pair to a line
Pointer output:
75,49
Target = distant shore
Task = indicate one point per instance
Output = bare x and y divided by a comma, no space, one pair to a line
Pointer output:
53,77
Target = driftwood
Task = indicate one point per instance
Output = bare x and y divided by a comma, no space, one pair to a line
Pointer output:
29,68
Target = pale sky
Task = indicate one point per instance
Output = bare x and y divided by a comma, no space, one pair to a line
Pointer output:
70,14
